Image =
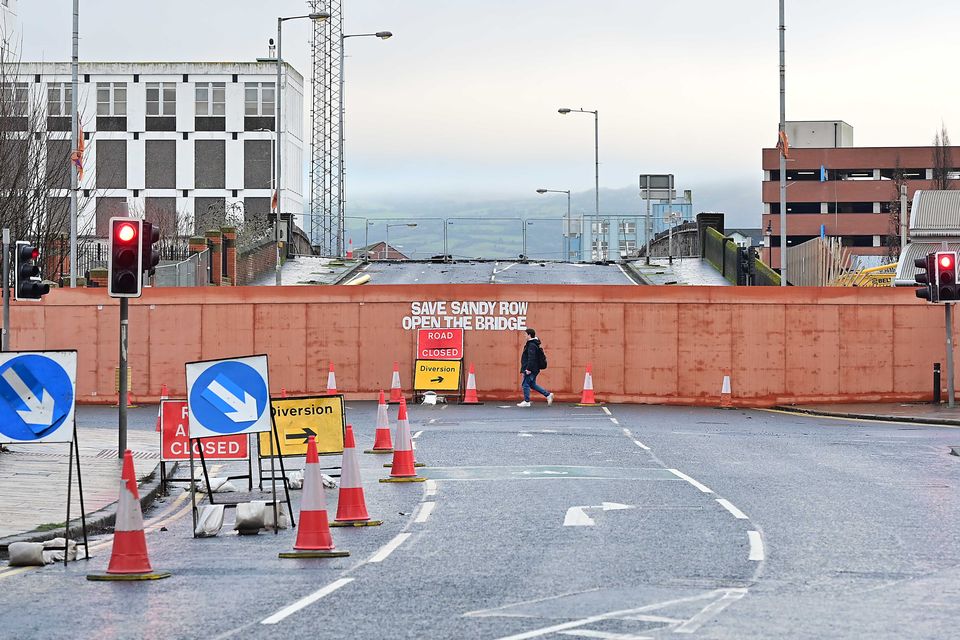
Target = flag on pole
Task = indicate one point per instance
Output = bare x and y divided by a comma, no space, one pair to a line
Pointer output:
275,201
783,144
77,156
823,173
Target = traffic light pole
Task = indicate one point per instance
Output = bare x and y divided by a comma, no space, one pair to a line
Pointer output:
948,310
5,346
122,402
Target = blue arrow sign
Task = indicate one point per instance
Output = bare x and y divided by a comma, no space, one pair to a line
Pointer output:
37,396
227,397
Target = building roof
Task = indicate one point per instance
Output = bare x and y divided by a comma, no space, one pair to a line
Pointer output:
754,234
158,68
935,214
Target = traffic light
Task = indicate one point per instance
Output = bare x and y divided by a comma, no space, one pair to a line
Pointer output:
926,277
151,254
27,284
946,267
125,269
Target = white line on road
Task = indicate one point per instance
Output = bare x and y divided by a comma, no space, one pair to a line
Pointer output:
605,410
627,432
389,548
417,435
739,515
684,476
756,546
641,445
430,487
303,602
711,610
603,635
425,510
615,421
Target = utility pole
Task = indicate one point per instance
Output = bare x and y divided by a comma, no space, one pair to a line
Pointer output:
782,146
75,128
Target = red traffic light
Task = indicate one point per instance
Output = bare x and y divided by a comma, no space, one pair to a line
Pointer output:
946,261
126,232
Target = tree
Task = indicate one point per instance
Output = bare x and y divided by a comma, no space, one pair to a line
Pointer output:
893,228
942,160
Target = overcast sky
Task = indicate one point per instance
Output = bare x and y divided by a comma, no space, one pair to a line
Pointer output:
463,101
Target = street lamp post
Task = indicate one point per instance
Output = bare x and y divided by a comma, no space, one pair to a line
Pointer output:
383,35
783,148
278,101
769,234
386,248
566,232
596,151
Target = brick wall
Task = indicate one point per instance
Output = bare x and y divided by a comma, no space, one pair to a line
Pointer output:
254,262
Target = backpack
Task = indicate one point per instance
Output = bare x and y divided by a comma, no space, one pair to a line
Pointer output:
541,358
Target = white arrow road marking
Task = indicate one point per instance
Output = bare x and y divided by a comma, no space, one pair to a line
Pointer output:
243,410
614,506
577,516
546,472
39,410
756,546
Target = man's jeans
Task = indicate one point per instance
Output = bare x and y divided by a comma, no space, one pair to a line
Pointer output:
530,382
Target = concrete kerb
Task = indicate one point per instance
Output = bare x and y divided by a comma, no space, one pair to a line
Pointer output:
349,273
97,522
869,416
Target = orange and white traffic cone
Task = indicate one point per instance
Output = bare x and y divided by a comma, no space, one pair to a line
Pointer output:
331,382
403,468
470,396
350,250
383,443
587,399
283,392
163,396
351,506
726,400
129,559
313,533
396,393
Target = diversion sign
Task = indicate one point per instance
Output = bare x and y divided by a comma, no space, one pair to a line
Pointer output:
297,419
437,375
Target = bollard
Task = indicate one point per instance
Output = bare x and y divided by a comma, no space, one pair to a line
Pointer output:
936,383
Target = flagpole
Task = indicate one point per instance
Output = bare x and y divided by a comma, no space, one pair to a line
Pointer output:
783,149
74,127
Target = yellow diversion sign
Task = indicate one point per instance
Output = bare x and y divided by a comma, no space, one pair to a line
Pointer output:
297,419
437,375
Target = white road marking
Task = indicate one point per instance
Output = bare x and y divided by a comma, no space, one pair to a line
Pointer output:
641,445
711,610
389,548
604,635
430,487
624,272
524,435
577,517
606,411
627,432
303,602
684,476
416,435
756,546
646,618
615,421
425,510
739,515
432,420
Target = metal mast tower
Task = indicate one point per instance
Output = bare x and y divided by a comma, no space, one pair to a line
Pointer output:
326,210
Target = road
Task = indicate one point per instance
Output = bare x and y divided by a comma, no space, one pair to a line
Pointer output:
617,522
503,272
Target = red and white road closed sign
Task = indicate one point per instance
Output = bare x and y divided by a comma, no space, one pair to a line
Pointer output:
175,438
440,344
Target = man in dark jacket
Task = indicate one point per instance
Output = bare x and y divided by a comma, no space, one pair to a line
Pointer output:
530,369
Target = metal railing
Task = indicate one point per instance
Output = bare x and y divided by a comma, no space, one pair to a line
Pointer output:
192,272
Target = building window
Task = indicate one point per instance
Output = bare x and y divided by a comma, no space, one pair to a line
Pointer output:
161,99
600,227
628,227
111,98
211,98
259,98
13,98
628,246
59,99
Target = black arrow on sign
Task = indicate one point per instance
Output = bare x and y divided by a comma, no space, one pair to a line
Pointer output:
307,432
437,379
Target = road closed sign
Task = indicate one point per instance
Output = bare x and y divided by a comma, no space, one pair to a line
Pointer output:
440,344
437,375
175,437
297,419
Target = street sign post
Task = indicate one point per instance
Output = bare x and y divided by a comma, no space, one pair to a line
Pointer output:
440,344
437,375
37,395
297,419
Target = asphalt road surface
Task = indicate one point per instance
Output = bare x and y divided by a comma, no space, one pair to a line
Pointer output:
624,522
503,272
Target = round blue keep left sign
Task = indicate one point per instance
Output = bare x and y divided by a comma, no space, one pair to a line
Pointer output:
228,397
36,398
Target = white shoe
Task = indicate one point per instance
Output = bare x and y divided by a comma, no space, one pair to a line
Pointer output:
523,404
549,399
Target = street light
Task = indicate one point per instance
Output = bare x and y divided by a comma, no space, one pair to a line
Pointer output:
278,101
566,234
383,35
386,248
596,149
769,234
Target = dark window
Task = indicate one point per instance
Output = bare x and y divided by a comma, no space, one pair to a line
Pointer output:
111,164
208,213
256,164
109,208
256,209
161,123
161,164
850,207
111,123
210,168
255,123
908,174
58,164
857,241
796,207
210,123
58,213
162,212
55,123
13,159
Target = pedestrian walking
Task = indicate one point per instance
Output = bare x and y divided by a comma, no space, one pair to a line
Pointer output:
532,361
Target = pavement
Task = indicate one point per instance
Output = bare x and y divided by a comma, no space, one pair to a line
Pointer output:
496,272
682,271
613,522
311,270
920,413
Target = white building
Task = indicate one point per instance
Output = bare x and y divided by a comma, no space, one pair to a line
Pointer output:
191,140
8,27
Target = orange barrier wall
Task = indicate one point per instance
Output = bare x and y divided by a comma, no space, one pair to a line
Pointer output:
646,344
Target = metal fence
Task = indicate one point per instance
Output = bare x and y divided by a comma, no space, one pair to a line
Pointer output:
192,272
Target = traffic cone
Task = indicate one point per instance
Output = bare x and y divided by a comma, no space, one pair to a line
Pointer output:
283,392
350,250
470,396
403,467
351,507
405,425
383,443
129,560
331,382
313,534
587,399
396,393
726,401
163,396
